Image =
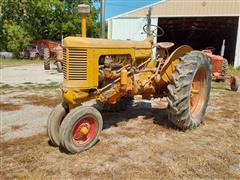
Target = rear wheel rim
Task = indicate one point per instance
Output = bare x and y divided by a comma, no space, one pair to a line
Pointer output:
84,131
198,92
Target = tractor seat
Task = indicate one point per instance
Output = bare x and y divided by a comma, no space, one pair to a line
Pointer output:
164,45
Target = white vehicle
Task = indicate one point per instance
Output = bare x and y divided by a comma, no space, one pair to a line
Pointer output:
8,55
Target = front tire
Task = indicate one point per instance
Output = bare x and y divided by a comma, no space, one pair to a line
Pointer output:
234,83
59,66
189,90
54,121
80,129
37,56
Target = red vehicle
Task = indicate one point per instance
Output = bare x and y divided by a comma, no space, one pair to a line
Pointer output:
32,52
47,44
220,68
52,52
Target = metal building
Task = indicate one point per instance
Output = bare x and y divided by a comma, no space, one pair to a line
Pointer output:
199,23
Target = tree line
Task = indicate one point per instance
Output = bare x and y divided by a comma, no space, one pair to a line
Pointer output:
21,21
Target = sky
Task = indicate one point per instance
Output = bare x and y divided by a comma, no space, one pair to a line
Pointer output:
116,7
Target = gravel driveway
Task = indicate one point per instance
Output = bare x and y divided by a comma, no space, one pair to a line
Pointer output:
29,74
24,113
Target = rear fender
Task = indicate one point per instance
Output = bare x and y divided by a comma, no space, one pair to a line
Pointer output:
171,62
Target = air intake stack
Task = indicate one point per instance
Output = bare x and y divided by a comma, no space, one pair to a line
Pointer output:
83,11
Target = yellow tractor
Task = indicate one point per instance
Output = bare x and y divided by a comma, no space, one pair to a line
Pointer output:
112,72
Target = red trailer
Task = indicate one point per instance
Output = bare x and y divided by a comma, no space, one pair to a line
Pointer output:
47,44
52,51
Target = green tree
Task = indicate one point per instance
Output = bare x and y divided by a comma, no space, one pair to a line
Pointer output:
45,19
67,22
15,36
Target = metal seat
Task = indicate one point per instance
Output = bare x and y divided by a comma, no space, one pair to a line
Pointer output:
164,45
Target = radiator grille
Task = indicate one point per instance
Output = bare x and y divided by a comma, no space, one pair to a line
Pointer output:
64,64
77,64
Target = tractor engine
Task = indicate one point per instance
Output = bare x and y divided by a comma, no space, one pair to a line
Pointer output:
110,68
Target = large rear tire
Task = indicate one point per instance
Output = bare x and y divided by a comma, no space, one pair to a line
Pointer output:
225,68
224,71
80,129
46,56
54,121
189,90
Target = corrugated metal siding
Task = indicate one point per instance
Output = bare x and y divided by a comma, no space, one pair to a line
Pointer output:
129,28
237,51
191,8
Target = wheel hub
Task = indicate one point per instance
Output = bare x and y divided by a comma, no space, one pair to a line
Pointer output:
84,131
198,92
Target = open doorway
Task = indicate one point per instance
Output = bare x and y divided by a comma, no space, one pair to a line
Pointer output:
202,32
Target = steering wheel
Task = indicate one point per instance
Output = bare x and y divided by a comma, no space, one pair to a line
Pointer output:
155,30
211,48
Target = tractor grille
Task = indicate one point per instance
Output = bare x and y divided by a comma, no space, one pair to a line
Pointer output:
77,64
64,64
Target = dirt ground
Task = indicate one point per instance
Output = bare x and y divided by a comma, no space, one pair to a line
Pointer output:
140,143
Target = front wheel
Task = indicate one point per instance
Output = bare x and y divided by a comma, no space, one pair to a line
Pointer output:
59,66
233,83
37,56
189,90
80,129
54,121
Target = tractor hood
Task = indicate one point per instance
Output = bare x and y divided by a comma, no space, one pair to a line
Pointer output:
79,42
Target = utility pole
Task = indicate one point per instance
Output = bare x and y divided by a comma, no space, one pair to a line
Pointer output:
149,21
102,18
0,12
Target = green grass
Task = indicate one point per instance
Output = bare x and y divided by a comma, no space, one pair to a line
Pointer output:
216,86
30,86
5,86
226,85
18,62
233,71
